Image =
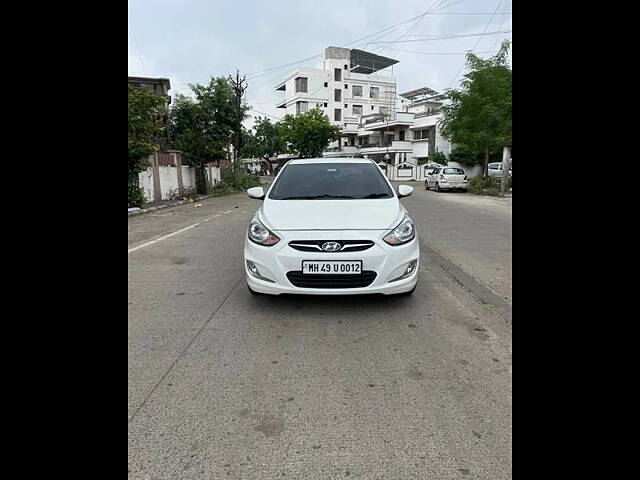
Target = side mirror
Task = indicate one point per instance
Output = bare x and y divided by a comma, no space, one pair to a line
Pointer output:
256,192
404,191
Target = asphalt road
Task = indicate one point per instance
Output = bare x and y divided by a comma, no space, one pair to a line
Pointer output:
223,384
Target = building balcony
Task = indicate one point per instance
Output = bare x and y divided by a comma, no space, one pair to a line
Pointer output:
381,147
350,128
403,119
346,151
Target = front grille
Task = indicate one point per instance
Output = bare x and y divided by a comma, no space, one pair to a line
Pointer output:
364,279
316,245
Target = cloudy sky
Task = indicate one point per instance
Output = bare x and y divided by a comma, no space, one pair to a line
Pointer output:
188,41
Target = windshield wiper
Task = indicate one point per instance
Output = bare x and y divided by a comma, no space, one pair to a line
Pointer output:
376,195
314,197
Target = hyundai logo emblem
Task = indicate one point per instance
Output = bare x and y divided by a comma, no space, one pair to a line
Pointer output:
331,246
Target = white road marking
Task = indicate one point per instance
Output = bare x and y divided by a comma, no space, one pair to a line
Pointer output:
162,238
176,232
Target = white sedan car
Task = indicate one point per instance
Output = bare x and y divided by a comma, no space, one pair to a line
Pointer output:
495,169
447,178
331,227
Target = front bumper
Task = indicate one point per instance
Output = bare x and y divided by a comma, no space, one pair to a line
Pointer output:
388,262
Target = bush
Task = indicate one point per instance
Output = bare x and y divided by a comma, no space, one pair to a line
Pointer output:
236,183
136,195
187,193
481,186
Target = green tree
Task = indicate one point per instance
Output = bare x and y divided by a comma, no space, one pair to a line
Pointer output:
268,140
146,125
477,120
203,126
308,134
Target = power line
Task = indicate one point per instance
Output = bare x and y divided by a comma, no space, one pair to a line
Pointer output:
266,114
469,14
477,42
464,35
445,53
388,30
135,41
500,27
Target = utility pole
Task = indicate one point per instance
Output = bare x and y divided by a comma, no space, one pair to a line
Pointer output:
239,85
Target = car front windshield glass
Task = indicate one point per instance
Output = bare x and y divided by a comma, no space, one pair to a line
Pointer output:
327,181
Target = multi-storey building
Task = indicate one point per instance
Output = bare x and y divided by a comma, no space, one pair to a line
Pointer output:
357,91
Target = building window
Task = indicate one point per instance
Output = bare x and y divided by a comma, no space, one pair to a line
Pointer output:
346,87
360,141
326,84
325,105
337,74
421,134
337,95
356,90
357,109
401,135
383,110
353,141
374,92
301,84
371,107
302,107
346,105
337,115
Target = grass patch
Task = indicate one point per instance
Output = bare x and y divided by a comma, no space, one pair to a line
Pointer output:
489,186
234,184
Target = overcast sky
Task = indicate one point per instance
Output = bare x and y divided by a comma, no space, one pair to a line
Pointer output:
188,41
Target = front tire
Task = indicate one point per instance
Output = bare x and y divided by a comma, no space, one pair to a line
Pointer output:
438,187
426,184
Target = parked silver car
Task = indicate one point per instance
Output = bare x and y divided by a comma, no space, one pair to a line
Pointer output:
447,178
495,169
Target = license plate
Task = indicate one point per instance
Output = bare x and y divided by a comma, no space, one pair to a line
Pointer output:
338,267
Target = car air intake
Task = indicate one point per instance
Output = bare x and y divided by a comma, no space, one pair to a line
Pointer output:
299,279
316,245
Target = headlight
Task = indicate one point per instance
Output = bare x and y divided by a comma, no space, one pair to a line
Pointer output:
260,234
403,233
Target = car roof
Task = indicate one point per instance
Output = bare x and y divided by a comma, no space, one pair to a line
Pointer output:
304,161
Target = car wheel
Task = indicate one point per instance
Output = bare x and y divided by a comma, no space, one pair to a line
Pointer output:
253,292
437,187
426,185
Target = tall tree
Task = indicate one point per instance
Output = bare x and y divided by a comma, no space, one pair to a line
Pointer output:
477,118
308,134
204,126
146,125
265,140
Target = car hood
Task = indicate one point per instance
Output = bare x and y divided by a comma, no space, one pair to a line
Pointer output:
374,214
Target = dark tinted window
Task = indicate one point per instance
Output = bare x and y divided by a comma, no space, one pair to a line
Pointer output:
330,181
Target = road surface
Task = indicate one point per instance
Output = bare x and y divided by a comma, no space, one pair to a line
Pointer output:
225,385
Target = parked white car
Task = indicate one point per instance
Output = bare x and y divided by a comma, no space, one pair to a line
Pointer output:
429,167
495,169
447,178
331,228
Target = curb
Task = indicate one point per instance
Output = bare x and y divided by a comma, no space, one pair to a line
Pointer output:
168,205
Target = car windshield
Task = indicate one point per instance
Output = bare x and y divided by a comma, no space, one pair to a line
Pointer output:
454,171
326,181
